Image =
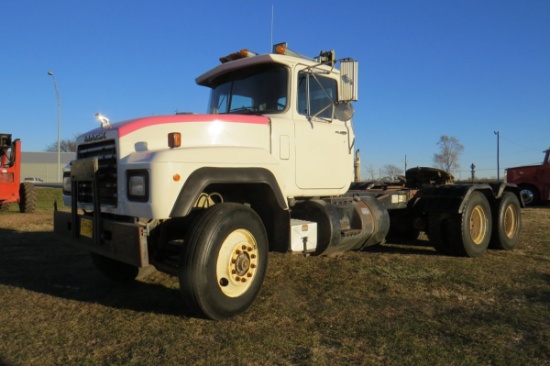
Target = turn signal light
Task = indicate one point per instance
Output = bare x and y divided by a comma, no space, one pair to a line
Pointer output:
174,139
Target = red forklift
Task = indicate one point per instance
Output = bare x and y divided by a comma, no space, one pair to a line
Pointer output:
11,190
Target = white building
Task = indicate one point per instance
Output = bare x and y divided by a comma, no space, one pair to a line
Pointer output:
43,165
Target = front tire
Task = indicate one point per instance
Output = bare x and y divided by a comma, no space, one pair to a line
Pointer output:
224,262
507,223
469,233
529,195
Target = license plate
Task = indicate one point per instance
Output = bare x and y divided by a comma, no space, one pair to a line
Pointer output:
86,228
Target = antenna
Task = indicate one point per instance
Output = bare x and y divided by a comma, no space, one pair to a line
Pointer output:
272,15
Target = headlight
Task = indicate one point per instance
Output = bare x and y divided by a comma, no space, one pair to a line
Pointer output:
138,185
67,183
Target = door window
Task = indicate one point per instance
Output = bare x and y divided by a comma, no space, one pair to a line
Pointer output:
316,95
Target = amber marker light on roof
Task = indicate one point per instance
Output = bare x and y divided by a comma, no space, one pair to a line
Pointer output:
174,139
280,48
237,55
246,53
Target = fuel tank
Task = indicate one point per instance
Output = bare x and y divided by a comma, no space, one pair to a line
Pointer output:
345,223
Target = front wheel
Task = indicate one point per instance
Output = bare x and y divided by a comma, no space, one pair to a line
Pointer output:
529,195
469,233
224,261
507,223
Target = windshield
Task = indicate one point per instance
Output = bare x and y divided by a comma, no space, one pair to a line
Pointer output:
257,90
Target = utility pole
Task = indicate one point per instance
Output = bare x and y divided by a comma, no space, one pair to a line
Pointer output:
473,167
59,179
498,154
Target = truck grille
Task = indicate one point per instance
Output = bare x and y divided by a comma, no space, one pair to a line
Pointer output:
105,151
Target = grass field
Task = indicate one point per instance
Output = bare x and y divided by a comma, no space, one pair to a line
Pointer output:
392,305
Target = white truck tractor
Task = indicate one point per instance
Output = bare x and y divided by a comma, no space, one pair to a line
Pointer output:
205,197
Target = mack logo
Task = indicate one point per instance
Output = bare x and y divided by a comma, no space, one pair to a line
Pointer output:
96,137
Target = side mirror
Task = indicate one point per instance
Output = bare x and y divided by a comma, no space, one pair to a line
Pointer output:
349,80
343,111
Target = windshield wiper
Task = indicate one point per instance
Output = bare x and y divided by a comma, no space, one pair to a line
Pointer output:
244,110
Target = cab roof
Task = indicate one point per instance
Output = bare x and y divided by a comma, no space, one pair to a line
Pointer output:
208,78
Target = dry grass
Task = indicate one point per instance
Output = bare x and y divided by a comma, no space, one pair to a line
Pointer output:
393,305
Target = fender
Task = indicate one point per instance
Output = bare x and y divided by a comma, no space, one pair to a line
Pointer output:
500,188
449,198
203,177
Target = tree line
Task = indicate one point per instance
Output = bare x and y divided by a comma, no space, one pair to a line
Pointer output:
446,159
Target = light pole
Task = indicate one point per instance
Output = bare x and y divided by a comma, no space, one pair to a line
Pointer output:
58,127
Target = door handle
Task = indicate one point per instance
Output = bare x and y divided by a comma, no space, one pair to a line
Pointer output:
341,132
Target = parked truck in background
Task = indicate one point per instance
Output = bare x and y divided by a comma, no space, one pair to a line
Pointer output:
205,197
533,180
11,188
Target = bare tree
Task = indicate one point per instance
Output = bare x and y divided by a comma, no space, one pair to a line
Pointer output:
371,171
392,171
68,145
449,152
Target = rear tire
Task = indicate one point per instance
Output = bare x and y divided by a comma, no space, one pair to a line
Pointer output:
469,233
507,222
224,262
27,198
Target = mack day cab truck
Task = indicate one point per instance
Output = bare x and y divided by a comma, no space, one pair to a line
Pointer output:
205,197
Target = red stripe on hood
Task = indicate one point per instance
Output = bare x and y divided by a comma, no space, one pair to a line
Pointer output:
129,126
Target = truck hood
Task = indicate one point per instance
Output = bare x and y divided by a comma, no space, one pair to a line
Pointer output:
197,130
128,126
523,168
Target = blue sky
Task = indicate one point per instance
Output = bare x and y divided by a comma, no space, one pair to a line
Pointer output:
463,68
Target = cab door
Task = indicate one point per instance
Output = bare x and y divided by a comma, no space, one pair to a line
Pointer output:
324,159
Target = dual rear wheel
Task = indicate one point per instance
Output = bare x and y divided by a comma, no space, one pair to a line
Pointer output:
478,227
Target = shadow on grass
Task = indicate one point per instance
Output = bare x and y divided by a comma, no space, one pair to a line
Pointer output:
404,246
42,262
